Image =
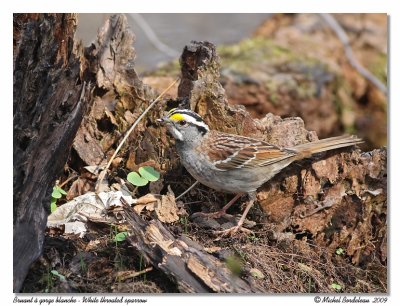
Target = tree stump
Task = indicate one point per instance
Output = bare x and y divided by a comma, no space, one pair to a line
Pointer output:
50,100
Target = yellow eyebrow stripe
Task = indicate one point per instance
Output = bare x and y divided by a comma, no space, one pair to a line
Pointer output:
177,117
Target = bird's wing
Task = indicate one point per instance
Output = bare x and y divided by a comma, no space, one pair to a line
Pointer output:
228,152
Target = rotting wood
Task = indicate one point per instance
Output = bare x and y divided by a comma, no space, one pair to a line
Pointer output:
50,100
183,260
119,98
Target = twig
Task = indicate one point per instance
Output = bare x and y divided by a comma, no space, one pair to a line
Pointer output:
187,190
341,34
152,36
103,173
194,202
69,179
124,275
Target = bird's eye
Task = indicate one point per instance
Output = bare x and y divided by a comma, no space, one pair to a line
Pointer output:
182,122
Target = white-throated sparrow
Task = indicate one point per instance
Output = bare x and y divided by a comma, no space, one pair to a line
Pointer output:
233,163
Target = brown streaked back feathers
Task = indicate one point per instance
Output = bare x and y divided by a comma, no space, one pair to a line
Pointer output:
227,153
243,152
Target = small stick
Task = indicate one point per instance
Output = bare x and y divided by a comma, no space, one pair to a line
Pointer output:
124,275
152,36
187,190
341,34
103,173
70,178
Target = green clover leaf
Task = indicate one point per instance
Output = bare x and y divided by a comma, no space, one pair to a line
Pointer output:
149,173
120,236
135,179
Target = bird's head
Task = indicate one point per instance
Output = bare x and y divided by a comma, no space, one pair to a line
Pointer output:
184,125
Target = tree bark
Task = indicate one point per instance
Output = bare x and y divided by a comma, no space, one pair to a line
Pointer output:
50,100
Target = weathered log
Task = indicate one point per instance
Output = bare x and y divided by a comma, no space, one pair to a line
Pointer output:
49,103
118,98
184,261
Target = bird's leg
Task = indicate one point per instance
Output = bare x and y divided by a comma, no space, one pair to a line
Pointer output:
234,229
222,211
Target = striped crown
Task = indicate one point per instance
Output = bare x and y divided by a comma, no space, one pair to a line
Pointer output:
180,116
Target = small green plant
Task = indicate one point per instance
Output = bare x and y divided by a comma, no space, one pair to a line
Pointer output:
252,237
49,281
57,193
339,251
234,264
184,221
146,174
120,236
336,286
60,276
113,231
82,264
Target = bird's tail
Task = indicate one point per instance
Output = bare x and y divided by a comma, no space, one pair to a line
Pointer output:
307,149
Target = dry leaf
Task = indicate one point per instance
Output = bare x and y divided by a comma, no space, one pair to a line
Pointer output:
138,208
166,209
90,206
92,245
146,199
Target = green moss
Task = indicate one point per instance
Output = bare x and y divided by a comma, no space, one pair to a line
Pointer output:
278,68
378,67
259,54
250,47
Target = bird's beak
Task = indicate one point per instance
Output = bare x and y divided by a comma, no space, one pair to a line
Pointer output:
164,120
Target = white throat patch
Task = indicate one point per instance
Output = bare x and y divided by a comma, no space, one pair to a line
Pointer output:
175,133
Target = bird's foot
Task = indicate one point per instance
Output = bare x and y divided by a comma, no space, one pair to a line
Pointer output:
221,212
